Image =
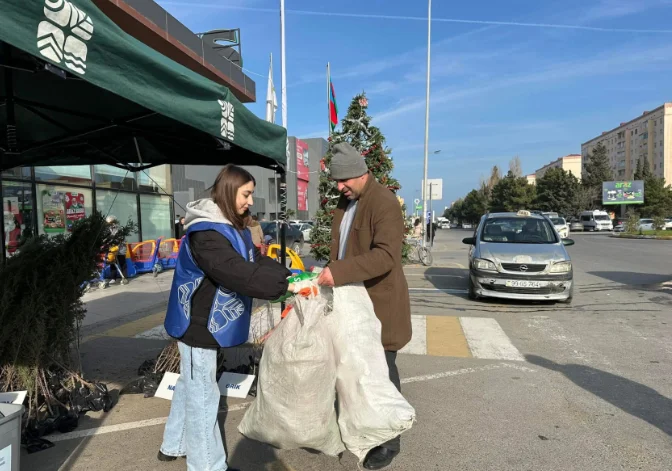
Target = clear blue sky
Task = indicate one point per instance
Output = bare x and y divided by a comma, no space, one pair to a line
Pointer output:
533,90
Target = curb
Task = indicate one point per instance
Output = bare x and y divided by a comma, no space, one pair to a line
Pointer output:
644,237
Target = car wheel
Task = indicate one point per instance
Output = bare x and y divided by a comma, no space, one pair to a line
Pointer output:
472,290
296,247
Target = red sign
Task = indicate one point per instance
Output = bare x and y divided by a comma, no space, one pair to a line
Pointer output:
302,191
302,160
74,207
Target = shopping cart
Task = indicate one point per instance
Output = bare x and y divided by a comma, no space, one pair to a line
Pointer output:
145,255
168,251
107,266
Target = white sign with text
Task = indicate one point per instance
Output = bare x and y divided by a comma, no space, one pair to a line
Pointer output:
235,384
14,397
167,386
230,384
434,189
6,458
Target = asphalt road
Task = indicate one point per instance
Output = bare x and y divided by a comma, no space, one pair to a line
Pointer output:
496,385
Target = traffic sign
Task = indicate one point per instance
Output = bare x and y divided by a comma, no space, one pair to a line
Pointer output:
418,207
416,201
436,192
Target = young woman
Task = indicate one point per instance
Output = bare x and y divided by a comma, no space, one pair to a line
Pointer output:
417,229
218,273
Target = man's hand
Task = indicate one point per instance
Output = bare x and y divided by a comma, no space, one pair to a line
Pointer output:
325,278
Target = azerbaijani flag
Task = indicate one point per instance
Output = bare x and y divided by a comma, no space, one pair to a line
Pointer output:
333,109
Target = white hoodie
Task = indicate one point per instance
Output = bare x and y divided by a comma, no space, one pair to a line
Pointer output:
204,210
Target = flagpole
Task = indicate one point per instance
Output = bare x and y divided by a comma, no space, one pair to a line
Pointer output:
328,101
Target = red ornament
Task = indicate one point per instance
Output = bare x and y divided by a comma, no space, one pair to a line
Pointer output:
323,165
363,102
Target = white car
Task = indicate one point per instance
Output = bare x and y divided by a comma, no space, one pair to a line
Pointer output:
305,228
647,225
444,225
561,226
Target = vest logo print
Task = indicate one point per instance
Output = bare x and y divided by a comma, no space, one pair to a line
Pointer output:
227,119
184,294
228,307
63,35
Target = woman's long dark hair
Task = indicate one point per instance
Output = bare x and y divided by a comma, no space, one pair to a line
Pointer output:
225,190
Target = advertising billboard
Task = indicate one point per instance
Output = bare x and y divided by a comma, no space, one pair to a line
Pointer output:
302,161
302,195
629,192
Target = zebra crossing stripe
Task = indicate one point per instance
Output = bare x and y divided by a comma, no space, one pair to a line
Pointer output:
487,340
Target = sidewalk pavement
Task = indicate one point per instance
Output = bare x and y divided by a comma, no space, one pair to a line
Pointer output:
123,328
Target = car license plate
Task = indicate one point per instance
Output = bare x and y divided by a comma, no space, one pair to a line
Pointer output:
524,284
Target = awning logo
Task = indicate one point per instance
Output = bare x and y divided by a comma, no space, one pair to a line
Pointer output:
63,35
227,119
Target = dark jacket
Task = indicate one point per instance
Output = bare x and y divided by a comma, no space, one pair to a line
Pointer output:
373,256
223,266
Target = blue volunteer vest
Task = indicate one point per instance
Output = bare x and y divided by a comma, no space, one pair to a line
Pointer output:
229,319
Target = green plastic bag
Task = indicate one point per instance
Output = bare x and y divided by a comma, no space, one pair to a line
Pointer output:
306,275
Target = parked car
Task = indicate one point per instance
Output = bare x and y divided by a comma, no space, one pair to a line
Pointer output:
444,225
576,226
668,223
293,237
527,263
561,226
620,227
596,221
305,228
647,225
466,225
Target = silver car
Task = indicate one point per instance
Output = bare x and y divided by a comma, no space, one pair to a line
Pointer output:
519,256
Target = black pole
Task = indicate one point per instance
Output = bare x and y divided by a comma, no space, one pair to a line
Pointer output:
283,217
10,134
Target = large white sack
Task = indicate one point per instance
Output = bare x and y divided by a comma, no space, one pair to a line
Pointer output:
295,400
371,410
265,317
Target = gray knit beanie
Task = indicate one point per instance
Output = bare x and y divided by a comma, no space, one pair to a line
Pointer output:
346,162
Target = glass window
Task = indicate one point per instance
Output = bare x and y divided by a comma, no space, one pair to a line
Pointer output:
122,205
108,176
155,180
75,174
516,230
19,217
17,172
58,207
155,217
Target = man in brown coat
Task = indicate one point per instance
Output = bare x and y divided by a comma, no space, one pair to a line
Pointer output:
366,239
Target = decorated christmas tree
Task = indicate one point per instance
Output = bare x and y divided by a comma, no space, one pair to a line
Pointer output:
356,130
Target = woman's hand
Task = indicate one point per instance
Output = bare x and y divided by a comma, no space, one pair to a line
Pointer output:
291,288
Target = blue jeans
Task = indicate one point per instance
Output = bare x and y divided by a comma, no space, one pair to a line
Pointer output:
192,428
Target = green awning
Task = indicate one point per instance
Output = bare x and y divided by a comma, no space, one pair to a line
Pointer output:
76,89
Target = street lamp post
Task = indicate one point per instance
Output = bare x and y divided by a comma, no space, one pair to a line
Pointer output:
424,184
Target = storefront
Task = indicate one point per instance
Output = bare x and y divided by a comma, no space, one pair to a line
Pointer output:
48,200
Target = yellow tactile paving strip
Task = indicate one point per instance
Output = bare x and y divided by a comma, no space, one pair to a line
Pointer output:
445,337
131,329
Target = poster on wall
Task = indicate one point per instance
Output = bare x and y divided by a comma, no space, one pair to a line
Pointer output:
302,194
74,208
302,161
53,210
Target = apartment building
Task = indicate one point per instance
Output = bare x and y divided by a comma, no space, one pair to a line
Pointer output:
648,136
570,163
531,179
